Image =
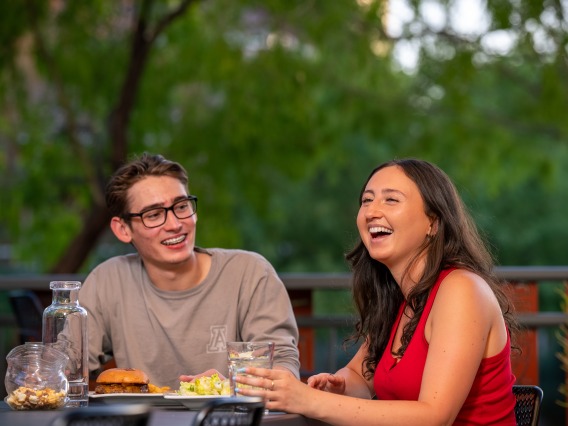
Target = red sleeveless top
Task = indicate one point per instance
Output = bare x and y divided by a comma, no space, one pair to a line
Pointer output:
490,400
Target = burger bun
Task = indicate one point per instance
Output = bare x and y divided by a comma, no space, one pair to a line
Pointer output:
122,380
123,375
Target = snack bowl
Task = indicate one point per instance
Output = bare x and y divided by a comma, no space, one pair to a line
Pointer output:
35,377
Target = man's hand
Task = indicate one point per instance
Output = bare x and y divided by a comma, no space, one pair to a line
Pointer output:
190,378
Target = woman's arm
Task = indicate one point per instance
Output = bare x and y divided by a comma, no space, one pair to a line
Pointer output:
464,326
350,378
464,318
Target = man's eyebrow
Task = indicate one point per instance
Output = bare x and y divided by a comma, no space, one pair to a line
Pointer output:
157,205
152,206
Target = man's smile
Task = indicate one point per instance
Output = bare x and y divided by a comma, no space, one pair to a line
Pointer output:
175,240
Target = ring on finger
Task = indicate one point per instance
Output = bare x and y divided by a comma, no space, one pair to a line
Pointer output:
272,385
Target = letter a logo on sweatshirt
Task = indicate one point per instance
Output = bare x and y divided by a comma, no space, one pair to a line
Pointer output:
217,339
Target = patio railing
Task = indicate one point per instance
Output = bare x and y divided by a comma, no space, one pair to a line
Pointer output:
303,287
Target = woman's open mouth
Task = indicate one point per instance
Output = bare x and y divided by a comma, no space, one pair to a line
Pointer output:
379,231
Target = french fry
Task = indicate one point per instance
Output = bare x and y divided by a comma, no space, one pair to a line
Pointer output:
157,389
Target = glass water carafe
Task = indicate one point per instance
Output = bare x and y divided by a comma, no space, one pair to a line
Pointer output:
65,328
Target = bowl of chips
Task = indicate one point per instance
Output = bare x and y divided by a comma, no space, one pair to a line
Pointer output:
35,377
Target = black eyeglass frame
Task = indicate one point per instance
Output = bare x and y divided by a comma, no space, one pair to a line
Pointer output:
191,198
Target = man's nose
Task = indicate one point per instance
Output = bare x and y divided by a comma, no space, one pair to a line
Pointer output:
171,220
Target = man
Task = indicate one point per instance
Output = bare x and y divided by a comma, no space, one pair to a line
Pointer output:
170,308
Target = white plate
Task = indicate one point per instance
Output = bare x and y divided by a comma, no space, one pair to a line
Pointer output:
124,398
193,402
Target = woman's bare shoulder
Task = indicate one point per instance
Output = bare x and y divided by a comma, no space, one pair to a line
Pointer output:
464,280
463,287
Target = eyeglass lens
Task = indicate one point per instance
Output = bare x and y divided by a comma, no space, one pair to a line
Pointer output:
156,217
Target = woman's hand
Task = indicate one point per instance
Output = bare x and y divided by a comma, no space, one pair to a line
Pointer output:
189,378
280,389
328,382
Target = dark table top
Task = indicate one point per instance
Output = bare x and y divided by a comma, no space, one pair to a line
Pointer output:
160,415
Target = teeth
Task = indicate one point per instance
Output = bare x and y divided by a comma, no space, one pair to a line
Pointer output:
173,241
378,229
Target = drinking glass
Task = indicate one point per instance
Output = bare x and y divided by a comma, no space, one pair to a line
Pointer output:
247,354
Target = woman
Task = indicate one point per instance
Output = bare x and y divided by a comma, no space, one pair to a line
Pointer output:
434,321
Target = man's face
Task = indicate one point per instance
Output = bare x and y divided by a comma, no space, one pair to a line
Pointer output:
170,244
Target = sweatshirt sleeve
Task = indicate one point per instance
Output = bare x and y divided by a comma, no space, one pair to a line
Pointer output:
268,315
90,298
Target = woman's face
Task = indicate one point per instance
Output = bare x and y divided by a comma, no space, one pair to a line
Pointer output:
391,220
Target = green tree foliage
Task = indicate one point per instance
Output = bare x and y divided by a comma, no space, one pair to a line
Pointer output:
278,109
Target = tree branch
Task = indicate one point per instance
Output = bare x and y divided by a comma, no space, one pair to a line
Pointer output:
118,122
72,127
167,19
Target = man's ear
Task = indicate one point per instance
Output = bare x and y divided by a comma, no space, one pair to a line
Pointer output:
121,229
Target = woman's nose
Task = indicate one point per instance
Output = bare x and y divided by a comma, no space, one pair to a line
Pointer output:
374,209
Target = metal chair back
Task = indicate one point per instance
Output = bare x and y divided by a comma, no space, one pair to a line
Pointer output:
28,312
527,407
111,415
236,411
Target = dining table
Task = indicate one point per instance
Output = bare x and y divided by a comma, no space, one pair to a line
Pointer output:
160,415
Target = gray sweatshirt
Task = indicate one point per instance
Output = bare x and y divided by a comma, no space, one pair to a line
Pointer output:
168,333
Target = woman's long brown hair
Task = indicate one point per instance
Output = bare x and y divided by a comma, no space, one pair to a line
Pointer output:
456,243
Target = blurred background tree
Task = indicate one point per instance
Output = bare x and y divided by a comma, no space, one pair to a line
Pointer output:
279,109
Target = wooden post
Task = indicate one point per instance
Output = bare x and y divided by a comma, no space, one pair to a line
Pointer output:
525,364
302,306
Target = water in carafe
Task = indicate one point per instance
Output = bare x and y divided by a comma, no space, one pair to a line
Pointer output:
65,327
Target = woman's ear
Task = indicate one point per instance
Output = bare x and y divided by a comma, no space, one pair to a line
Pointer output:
433,228
121,229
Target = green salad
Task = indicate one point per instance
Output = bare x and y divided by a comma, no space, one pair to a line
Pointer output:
206,385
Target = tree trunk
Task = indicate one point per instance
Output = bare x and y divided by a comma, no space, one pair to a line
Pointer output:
98,219
94,225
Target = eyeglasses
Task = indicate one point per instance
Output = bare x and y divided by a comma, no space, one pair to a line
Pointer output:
156,216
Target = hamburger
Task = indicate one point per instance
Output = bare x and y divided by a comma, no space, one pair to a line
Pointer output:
122,380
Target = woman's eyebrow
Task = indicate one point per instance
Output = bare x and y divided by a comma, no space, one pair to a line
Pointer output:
384,191
392,191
